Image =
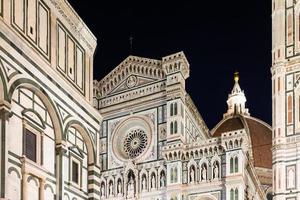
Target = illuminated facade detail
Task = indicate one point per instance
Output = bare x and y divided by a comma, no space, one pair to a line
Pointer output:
174,155
145,139
285,72
48,128
135,142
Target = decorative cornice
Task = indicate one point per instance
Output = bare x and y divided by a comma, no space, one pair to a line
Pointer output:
132,65
77,25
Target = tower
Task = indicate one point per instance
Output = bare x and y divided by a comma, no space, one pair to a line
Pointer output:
177,71
285,97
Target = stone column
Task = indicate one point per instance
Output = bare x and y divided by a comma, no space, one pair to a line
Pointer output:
42,189
94,182
61,150
4,116
25,186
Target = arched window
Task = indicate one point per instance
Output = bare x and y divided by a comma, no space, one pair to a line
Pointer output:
291,177
171,109
172,175
231,165
171,128
290,29
175,175
175,127
231,194
290,109
175,109
236,194
236,164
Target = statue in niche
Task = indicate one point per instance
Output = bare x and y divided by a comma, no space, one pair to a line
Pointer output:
204,174
111,189
144,183
162,180
216,171
119,190
102,191
192,175
130,184
130,188
153,182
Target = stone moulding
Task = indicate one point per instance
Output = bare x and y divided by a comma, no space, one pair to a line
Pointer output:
76,24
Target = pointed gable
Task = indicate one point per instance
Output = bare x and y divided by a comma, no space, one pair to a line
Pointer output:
133,72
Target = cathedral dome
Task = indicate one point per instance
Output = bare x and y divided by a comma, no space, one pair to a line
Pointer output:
259,132
238,117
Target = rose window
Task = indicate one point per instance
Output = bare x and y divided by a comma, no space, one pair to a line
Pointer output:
132,139
135,142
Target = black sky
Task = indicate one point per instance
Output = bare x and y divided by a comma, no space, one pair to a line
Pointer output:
218,37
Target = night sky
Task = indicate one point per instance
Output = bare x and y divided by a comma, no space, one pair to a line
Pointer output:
217,37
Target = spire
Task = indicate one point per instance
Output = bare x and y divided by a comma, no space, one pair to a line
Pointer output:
236,100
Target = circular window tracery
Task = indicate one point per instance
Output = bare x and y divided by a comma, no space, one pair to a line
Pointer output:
135,142
132,139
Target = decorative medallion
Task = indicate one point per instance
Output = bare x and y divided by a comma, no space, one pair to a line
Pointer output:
131,81
135,142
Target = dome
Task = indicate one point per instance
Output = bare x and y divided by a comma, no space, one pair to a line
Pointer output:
260,135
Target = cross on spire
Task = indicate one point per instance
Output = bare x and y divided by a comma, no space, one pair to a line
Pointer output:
131,43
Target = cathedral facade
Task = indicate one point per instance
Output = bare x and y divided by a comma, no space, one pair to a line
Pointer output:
135,134
154,142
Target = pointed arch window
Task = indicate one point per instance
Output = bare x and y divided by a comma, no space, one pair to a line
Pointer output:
231,165
175,175
236,194
175,109
172,175
278,84
290,29
236,164
231,194
291,178
171,109
171,128
289,109
175,127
